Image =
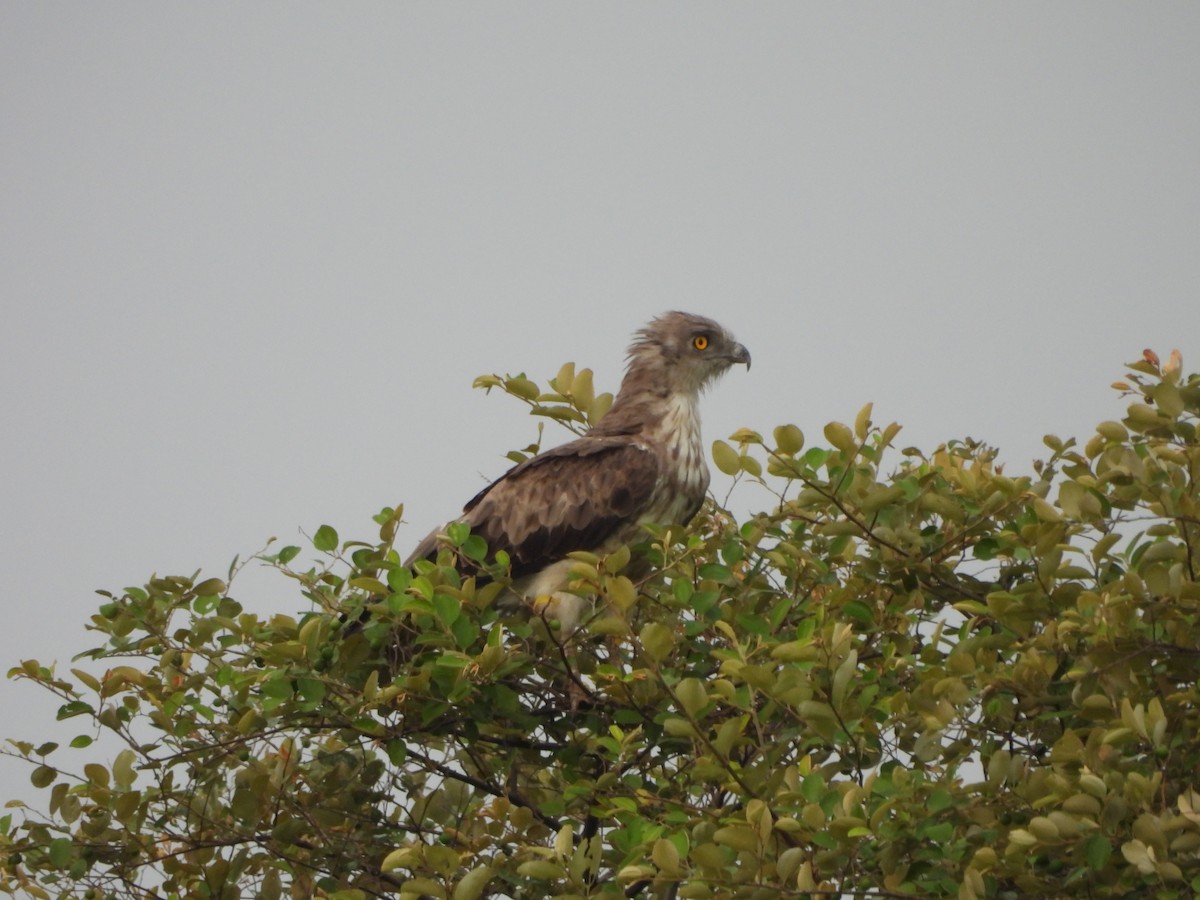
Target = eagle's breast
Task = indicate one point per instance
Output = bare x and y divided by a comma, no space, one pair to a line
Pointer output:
684,476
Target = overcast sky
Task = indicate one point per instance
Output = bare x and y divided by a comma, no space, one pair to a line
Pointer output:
254,255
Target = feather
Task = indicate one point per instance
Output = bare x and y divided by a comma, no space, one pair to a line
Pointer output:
585,495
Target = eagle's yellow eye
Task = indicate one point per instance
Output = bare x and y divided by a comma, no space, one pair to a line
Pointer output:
700,342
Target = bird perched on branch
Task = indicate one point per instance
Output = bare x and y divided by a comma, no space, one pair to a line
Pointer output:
642,463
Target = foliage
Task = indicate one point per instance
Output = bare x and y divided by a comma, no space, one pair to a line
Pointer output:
938,681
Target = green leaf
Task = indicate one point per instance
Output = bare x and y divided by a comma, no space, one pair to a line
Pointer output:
789,439
311,689
457,532
815,457
939,800
122,769
617,560
522,387
716,572
859,611
60,852
621,592
211,587
368,584
692,695
465,631
726,458
279,686
561,413
472,885
657,640
564,379
1097,850
287,554
475,547
326,539
399,579
812,788
841,437
739,837
447,608
582,390
986,548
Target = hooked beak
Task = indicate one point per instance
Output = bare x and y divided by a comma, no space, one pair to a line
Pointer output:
739,354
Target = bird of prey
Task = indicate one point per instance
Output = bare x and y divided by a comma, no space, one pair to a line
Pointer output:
643,462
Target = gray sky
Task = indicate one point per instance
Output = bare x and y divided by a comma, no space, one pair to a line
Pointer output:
254,255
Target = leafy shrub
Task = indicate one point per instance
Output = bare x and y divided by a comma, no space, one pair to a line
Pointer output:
926,680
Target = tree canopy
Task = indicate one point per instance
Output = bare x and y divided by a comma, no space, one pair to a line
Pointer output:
912,675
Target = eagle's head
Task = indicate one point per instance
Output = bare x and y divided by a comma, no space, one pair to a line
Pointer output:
687,351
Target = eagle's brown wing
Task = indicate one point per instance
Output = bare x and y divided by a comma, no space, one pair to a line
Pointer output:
574,497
